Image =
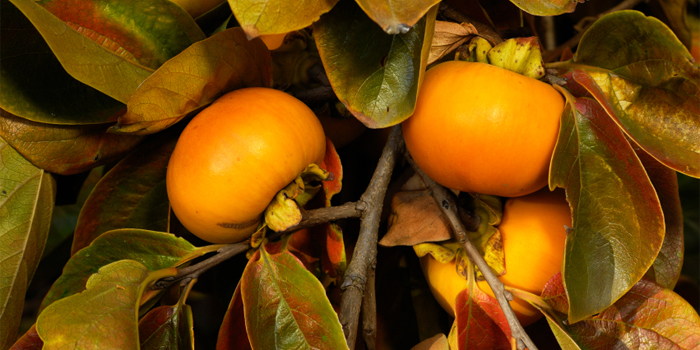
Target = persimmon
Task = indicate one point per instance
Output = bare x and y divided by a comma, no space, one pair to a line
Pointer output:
534,239
484,129
273,41
235,155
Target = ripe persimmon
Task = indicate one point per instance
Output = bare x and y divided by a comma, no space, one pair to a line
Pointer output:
534,239
480,128
235,155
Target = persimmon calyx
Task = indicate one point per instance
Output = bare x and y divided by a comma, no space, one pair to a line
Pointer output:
285,209
519,55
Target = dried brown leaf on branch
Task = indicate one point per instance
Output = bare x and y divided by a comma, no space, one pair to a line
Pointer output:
449,36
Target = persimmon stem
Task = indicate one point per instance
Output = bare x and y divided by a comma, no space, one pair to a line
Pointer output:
447,203
366,248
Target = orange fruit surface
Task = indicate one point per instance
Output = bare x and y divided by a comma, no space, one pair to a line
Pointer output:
480,128
533,242
273,41
235,155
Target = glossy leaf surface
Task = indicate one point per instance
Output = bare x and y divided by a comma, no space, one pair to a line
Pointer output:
376,75
168,326
35,86
258,17
65,149
28,341
481,323
285,305
232,333
27,195
647,316
642,75
618,224
195,78
546,7
155,250
110,302
396,16
131,195
83,58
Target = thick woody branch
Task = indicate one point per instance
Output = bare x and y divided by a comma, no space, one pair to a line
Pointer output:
448,205
369,310
366,249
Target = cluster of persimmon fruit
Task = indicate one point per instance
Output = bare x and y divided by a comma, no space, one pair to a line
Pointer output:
476,128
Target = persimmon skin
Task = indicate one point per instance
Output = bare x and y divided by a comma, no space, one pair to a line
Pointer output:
480,128
235,155
534,239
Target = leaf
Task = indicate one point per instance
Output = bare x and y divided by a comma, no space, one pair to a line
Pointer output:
437,342
331,163
396,16
415,218
147,32
29,341
130,195
27,196
35,86
84,59
155,250
376,75
258,17
286,306
232,333
196,77
447,37
64,149
618,223
667,266
334,260
110,303
481,323
639,71
676,11
546,7
647,314
168,327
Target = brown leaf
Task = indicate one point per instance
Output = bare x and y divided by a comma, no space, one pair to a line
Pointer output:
437,342
447,37
415,218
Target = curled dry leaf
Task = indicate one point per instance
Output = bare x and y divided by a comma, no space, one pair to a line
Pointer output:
449,36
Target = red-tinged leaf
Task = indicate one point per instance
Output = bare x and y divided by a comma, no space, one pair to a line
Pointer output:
643,77
331,163
395,16
546,7
131,195
307,249
196,77
232,334
64,149
286,306
334,260
618,226
667,266
166,327
155,250
148,32
376,75
83,58
27,196
259,17
647,316
34,85
29,341
481,323
105,315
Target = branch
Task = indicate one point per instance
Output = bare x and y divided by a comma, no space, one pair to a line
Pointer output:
448,205
369,310
366,248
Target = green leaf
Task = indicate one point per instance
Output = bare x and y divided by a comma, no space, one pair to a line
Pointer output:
285,305
65,149
105,315
83,58
27,196
647,314
168,327
618,223
395,16
376,75
667,266
156,250
130,195
35,86
546,7
643,76
195,78
676,12
258,17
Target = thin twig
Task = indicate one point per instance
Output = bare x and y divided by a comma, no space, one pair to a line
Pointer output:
366,248
448,205
369,310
